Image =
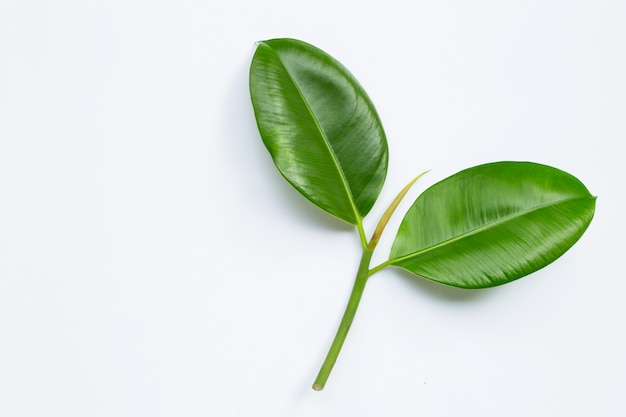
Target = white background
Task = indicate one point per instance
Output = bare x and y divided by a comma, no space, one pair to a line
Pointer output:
154,263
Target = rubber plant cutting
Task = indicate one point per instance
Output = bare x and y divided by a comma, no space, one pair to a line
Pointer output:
481,227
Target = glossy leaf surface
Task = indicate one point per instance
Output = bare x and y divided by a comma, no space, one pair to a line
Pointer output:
491,224
319,126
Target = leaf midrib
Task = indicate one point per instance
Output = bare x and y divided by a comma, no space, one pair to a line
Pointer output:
344,180
481,229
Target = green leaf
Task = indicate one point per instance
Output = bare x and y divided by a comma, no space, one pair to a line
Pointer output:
319,126
491,224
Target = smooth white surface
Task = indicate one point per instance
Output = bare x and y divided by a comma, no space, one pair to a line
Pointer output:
154,263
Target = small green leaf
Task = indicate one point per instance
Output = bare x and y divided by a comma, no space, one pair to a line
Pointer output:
319,126
491,224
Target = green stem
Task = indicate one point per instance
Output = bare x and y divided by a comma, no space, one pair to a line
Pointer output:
359,227
359,285
381,266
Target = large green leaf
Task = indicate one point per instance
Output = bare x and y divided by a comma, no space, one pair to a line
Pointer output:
320,127
491,224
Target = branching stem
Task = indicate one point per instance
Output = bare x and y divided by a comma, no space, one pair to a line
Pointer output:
362,275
